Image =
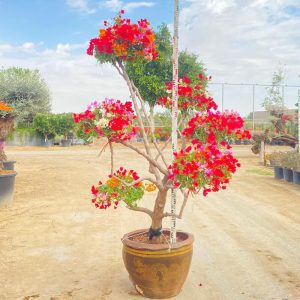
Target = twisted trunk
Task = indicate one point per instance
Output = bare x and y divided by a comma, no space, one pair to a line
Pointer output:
158,212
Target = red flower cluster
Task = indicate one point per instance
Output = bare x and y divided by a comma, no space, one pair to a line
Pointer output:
190,95
203,167
124,40
111,118
115,190
214,127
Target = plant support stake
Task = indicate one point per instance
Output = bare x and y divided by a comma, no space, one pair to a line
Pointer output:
174,111
299,121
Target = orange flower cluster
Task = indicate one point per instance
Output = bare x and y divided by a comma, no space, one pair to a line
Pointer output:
113,182
5,107
150,187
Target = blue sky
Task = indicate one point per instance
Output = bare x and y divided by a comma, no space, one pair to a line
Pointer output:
58,21
238,41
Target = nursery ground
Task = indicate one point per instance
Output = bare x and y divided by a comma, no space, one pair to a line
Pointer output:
55,245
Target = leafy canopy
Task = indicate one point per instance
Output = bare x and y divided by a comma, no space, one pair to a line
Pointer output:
25,91
150,76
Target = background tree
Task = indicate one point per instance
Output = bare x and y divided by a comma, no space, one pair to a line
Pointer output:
25,91
64,124
274,101
45,125
150,76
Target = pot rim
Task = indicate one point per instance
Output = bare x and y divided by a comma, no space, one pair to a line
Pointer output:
10,161
156,247
9,174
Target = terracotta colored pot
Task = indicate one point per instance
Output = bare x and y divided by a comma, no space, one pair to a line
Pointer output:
158,270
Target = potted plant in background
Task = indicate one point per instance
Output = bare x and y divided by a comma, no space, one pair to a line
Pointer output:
65,127
276,162
296,167
44,125
157,267
7,176
287,164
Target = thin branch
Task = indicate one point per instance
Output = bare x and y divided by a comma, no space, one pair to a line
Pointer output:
151,160
111,158
140,122
163,148
150,123
119,71
166,143
136,181
179,216
141,209
185,198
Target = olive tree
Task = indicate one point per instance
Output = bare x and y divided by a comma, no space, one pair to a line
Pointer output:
26,91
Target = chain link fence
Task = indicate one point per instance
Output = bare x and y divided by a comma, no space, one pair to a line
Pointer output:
247,99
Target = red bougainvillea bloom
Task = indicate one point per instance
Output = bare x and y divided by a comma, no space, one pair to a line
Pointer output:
191,96
124,40
203,167
214,127
111,118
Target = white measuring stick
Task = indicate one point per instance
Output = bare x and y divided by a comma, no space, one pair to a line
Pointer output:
174,111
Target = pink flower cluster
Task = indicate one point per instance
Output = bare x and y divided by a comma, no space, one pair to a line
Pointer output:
111,119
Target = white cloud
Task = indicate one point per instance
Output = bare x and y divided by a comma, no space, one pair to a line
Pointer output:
28,47
244,41
117,5
219,6
74,78
132,5
5,47
81,5
113,5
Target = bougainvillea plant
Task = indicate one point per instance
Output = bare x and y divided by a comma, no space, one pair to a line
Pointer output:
205,162
124,40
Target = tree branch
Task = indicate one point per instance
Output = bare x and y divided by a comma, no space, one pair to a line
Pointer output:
179,216
150,123
166,143
137,181
141,209
111,158
151,160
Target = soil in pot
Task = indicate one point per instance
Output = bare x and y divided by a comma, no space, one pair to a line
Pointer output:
287,175
296,177
7,184
157,270
9,165
278,172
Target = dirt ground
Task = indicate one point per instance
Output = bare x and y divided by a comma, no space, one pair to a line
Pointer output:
55,245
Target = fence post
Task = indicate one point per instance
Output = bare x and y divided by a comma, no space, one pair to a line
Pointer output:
299,121
223,96
253,105
262,152
282,95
